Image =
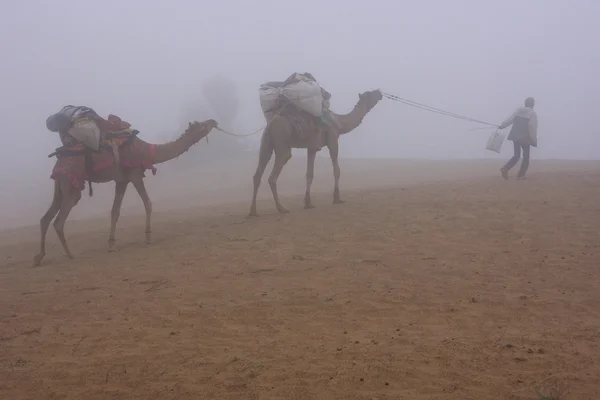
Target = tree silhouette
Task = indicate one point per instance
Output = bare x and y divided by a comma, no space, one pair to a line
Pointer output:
220,101
222,97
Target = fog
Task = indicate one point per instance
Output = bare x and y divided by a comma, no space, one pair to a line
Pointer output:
146,61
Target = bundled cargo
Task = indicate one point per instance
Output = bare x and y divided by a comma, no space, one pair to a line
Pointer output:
83,125
302,90
77,122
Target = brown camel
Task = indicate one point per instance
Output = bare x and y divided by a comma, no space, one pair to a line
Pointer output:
66,196
280,137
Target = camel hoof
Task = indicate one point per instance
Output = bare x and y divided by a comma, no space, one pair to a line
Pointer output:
252,214
338,201
112,249
148,239
37,260
309,206
283,210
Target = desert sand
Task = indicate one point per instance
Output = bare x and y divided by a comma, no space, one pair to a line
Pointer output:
437,280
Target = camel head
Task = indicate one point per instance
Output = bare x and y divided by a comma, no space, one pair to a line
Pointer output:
206,126
370,99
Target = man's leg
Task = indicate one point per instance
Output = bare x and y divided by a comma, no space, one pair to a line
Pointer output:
525,162
512,162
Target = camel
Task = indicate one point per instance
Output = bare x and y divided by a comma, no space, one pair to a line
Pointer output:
66,196
279,138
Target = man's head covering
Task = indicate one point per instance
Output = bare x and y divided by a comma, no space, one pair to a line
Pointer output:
58,122
529,102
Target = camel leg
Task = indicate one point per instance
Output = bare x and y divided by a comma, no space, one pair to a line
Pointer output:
45,223
70,197
115,213
280,160
310,174
266,151
138,183
333,153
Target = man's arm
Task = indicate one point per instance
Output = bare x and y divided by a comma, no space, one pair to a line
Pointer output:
508,121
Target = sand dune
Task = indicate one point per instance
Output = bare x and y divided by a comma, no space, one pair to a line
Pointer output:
437,280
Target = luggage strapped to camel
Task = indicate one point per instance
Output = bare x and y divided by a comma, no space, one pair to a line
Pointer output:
82,130
301,90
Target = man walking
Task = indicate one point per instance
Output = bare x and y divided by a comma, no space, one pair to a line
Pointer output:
523,135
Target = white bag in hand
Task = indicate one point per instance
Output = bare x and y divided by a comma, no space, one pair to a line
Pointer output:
495,141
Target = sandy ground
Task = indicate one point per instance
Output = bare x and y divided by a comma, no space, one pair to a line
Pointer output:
436,280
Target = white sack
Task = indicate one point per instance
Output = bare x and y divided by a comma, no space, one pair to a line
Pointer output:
85,131
306,95
269,96
495,141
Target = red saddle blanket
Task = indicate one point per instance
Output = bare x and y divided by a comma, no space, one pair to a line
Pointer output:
118,144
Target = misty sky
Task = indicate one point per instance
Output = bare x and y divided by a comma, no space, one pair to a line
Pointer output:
144,60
